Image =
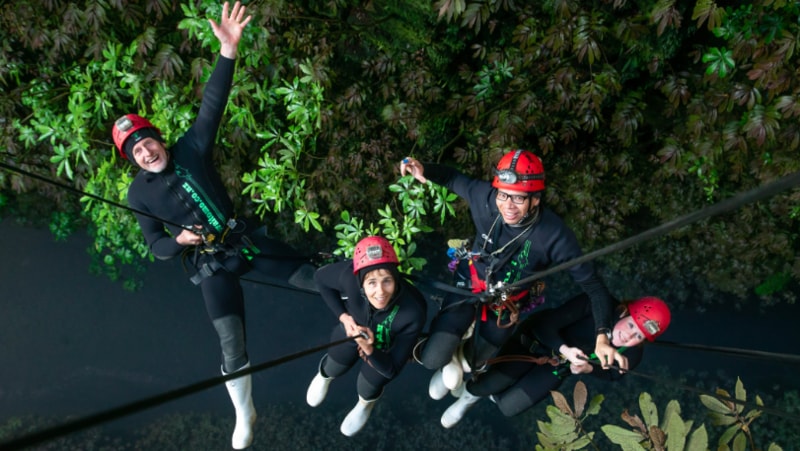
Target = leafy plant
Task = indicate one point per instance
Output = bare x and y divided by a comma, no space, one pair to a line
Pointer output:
564,430
277,183
415,203
670,434
727,411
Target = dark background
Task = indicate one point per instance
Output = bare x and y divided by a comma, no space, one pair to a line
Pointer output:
72,343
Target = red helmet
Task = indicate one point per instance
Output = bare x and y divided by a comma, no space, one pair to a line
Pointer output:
651,314
519,170
371,251
126,126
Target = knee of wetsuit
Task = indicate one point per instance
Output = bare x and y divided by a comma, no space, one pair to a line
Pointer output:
513,401
367,390
332,368
230,330
439,349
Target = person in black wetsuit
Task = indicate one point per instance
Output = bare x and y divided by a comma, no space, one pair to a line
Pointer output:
563,336
181,186
368,296
515,237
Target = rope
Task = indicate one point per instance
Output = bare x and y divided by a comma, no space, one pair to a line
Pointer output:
278,285
140,212
753,354
93,196
750,404
146,403
754,195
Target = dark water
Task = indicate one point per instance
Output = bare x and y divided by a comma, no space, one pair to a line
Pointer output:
73,344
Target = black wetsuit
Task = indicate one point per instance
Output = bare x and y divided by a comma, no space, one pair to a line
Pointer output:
516,386
548,242
396,327
190,192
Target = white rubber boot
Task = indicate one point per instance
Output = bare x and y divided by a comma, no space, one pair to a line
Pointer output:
456,411
241,393
436,388
453,372
318,388
357,418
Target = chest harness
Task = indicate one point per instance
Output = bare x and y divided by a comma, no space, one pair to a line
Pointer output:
219,251
504,301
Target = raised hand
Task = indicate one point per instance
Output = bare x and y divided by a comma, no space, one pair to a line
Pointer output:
229,29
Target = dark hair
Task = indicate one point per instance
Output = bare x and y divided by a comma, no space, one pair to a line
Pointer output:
391,267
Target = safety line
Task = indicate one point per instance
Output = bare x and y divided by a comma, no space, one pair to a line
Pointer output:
133,210
147,403
751,404
753,195
93,196
748,353
278,285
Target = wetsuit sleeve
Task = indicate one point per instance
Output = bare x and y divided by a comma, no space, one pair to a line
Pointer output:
452,179
333,281
405,330
602,302
548,325
564,248
162,245
203,132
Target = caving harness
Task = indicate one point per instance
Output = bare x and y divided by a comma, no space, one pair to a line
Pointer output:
219,254
225,246
505,300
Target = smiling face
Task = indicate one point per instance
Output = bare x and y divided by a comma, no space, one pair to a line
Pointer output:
511,211
151,155
379,286
626,333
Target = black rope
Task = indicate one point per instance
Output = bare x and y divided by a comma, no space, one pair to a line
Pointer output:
754,195
93,196
140,212
70,427
750,404
747,353
286,286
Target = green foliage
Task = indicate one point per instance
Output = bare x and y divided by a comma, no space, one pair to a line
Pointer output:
650,431
62,224
672,433
640,116
725,411
277,183
720,62
564,430
415,202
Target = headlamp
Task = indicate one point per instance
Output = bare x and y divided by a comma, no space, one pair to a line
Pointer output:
506,176
374,252
651,327
123,124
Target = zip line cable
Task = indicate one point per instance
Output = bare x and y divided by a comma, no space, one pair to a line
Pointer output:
70,427
93,196
754,195
747,353
133,210
751,404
